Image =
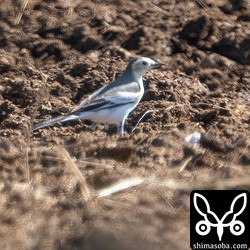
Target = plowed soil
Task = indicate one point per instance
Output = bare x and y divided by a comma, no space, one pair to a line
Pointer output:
59,185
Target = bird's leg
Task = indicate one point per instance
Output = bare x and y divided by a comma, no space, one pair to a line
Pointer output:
93,126
121,128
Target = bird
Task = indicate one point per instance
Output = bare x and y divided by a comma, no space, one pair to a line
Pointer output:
112,103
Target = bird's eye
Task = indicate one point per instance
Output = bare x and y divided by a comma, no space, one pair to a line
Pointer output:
145,63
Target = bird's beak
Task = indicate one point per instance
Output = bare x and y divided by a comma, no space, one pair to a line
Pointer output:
157,65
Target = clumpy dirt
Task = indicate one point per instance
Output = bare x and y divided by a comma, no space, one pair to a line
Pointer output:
55,53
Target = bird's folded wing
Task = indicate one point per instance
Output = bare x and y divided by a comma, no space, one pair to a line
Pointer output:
114,90
107,102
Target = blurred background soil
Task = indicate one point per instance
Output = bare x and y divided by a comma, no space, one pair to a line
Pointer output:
55,53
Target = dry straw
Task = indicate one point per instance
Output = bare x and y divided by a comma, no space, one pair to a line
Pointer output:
21,12
86,191
172,184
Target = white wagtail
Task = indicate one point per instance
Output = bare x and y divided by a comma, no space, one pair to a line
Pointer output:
112,103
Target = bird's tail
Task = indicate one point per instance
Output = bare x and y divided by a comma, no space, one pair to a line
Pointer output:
62,118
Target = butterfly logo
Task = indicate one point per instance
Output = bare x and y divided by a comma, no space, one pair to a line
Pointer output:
203,227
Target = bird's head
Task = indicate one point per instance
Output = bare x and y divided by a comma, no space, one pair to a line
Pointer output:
141,65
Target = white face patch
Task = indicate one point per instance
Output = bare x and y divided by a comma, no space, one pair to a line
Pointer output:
142,65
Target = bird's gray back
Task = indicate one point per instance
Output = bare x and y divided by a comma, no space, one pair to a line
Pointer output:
125,83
